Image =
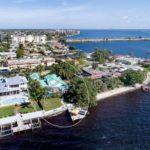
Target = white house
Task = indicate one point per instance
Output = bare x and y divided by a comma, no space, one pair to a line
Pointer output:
13,90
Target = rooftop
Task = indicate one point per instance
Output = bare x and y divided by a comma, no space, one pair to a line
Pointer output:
6,82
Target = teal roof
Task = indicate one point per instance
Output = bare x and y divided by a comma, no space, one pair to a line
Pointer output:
54,81
35,76
51,80
43,83
54,77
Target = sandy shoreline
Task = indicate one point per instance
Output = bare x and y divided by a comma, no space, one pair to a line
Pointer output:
121,90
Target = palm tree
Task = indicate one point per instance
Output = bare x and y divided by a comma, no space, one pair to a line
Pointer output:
37,92
66,70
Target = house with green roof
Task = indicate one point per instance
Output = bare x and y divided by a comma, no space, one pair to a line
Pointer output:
52,82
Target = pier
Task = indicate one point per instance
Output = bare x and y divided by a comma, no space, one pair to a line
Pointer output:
22,122
106,40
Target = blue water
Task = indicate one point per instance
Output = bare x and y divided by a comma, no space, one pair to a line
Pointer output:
95,34
117,123
138,48
13,101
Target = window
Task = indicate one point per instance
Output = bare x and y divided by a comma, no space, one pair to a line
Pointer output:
13,86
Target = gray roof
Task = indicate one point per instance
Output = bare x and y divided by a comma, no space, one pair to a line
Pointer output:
91,71
5,83
16,80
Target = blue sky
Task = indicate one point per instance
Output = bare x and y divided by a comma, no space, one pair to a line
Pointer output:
89,14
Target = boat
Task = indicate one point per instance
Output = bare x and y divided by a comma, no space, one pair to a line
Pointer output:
145,88
76,113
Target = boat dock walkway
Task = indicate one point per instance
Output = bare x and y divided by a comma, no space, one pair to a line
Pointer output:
76,113
22,122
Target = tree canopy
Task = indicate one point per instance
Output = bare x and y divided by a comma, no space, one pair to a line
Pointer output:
67,70
62,40
20,51
81,91
80,55
37,92
113,83
101,56
131,77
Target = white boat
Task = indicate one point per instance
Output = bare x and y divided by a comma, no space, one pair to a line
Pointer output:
76,113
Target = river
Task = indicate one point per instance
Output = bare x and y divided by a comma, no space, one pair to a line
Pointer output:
118,123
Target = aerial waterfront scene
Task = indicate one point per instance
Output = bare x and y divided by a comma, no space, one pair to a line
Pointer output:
74,75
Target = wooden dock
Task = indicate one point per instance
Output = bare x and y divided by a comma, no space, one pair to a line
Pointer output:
76,113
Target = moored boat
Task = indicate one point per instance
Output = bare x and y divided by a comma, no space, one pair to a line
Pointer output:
145,88
76,113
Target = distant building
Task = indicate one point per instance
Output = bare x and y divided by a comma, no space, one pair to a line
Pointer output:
33,55
41,39
119,56
92,74
29,63
128,60
7,55
146,62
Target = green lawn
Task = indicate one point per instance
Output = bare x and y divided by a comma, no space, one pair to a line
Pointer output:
6,111
51,103
28,109
48,104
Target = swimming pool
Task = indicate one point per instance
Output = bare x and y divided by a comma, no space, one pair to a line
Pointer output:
13,101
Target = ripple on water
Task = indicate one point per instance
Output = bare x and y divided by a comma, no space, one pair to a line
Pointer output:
118,123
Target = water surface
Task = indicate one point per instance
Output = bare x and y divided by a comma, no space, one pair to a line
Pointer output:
137,48
118,123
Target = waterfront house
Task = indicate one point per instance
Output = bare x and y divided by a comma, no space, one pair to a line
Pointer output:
13,90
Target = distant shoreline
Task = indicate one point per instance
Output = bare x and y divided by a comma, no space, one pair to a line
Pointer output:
105,40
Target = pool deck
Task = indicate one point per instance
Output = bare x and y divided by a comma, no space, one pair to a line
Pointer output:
12,97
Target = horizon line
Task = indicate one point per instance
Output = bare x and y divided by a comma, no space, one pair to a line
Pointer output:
74,28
